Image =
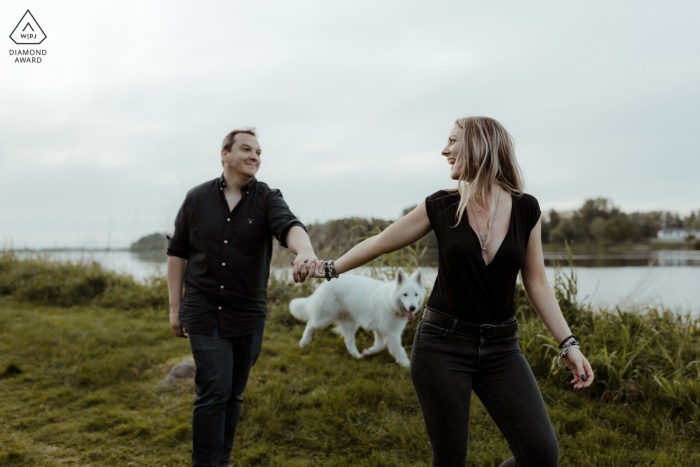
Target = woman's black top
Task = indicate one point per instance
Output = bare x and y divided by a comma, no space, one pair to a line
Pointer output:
466,287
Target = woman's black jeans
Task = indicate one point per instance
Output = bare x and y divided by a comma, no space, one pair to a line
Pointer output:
446,366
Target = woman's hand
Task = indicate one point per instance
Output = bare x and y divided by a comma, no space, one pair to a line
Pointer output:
316,270
302,265
579,366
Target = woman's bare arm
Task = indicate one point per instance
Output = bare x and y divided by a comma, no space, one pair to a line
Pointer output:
543,299
410,228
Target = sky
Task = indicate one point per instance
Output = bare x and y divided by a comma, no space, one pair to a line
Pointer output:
353,102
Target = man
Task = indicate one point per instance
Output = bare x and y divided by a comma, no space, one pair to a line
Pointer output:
221,250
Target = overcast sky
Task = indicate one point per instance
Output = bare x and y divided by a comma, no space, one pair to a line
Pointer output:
101,141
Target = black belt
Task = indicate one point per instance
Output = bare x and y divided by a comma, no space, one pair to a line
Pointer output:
463,327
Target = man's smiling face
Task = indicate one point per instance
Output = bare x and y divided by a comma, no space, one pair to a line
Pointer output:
244,156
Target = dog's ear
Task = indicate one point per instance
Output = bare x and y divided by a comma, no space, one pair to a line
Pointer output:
417,276
400,276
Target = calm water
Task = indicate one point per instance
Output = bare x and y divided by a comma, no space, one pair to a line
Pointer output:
673,279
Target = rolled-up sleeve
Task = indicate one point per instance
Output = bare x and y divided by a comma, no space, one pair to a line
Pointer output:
179,243
279,217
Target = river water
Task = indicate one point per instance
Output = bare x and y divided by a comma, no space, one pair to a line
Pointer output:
668,278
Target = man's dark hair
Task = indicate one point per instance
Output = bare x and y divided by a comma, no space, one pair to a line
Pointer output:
230,138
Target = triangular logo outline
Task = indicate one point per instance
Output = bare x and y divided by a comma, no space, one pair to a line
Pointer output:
32,39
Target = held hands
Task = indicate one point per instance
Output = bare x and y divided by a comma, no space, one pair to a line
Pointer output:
319,271
307,267
579,366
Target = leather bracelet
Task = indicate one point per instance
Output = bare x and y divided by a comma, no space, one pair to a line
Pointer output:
571,343
564,352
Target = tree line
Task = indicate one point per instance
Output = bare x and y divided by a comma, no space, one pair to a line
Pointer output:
598,220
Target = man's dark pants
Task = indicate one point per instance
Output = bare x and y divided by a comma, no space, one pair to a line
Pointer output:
223,365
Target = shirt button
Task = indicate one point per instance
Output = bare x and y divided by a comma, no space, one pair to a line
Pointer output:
219,308
225,241
223,264
222,286
228,220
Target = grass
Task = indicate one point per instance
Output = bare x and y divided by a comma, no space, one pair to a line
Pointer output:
83,350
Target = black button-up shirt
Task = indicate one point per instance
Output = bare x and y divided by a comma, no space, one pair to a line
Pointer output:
228,255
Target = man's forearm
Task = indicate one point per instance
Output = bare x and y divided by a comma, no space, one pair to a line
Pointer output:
176,280
298,241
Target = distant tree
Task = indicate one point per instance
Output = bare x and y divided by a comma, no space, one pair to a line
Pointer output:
598,207
692,221
618,228
564,230
670,219
598,229
152,242
645,225
549,224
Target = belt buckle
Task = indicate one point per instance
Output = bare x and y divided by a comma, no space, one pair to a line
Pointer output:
483,327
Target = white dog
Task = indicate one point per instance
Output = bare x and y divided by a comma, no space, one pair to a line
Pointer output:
352,301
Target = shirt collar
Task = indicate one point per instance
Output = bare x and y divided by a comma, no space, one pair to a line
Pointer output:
222,183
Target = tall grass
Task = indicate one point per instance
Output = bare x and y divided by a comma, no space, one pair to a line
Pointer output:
40,280
646,358
78,381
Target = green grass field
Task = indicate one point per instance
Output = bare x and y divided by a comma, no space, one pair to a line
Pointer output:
79,384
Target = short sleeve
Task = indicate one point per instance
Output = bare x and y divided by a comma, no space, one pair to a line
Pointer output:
534,212
429,210
438,205
179,243
279,217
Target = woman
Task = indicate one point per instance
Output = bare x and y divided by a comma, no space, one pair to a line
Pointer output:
488,230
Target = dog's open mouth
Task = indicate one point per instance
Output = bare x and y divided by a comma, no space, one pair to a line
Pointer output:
410,316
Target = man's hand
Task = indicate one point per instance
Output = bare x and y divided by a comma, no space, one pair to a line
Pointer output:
304,264
175,323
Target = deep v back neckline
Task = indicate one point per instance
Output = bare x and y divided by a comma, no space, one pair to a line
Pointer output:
478,242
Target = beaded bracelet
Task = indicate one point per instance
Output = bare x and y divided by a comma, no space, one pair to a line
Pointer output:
333,272
329,269
566,339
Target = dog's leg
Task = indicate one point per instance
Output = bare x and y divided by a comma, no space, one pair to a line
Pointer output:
378,346
349,329
397,350
306,337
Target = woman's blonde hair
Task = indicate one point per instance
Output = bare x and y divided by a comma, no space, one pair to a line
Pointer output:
487,156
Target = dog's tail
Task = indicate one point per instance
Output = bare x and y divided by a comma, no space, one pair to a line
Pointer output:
298,309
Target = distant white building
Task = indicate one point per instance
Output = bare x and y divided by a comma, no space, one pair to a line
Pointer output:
676,234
